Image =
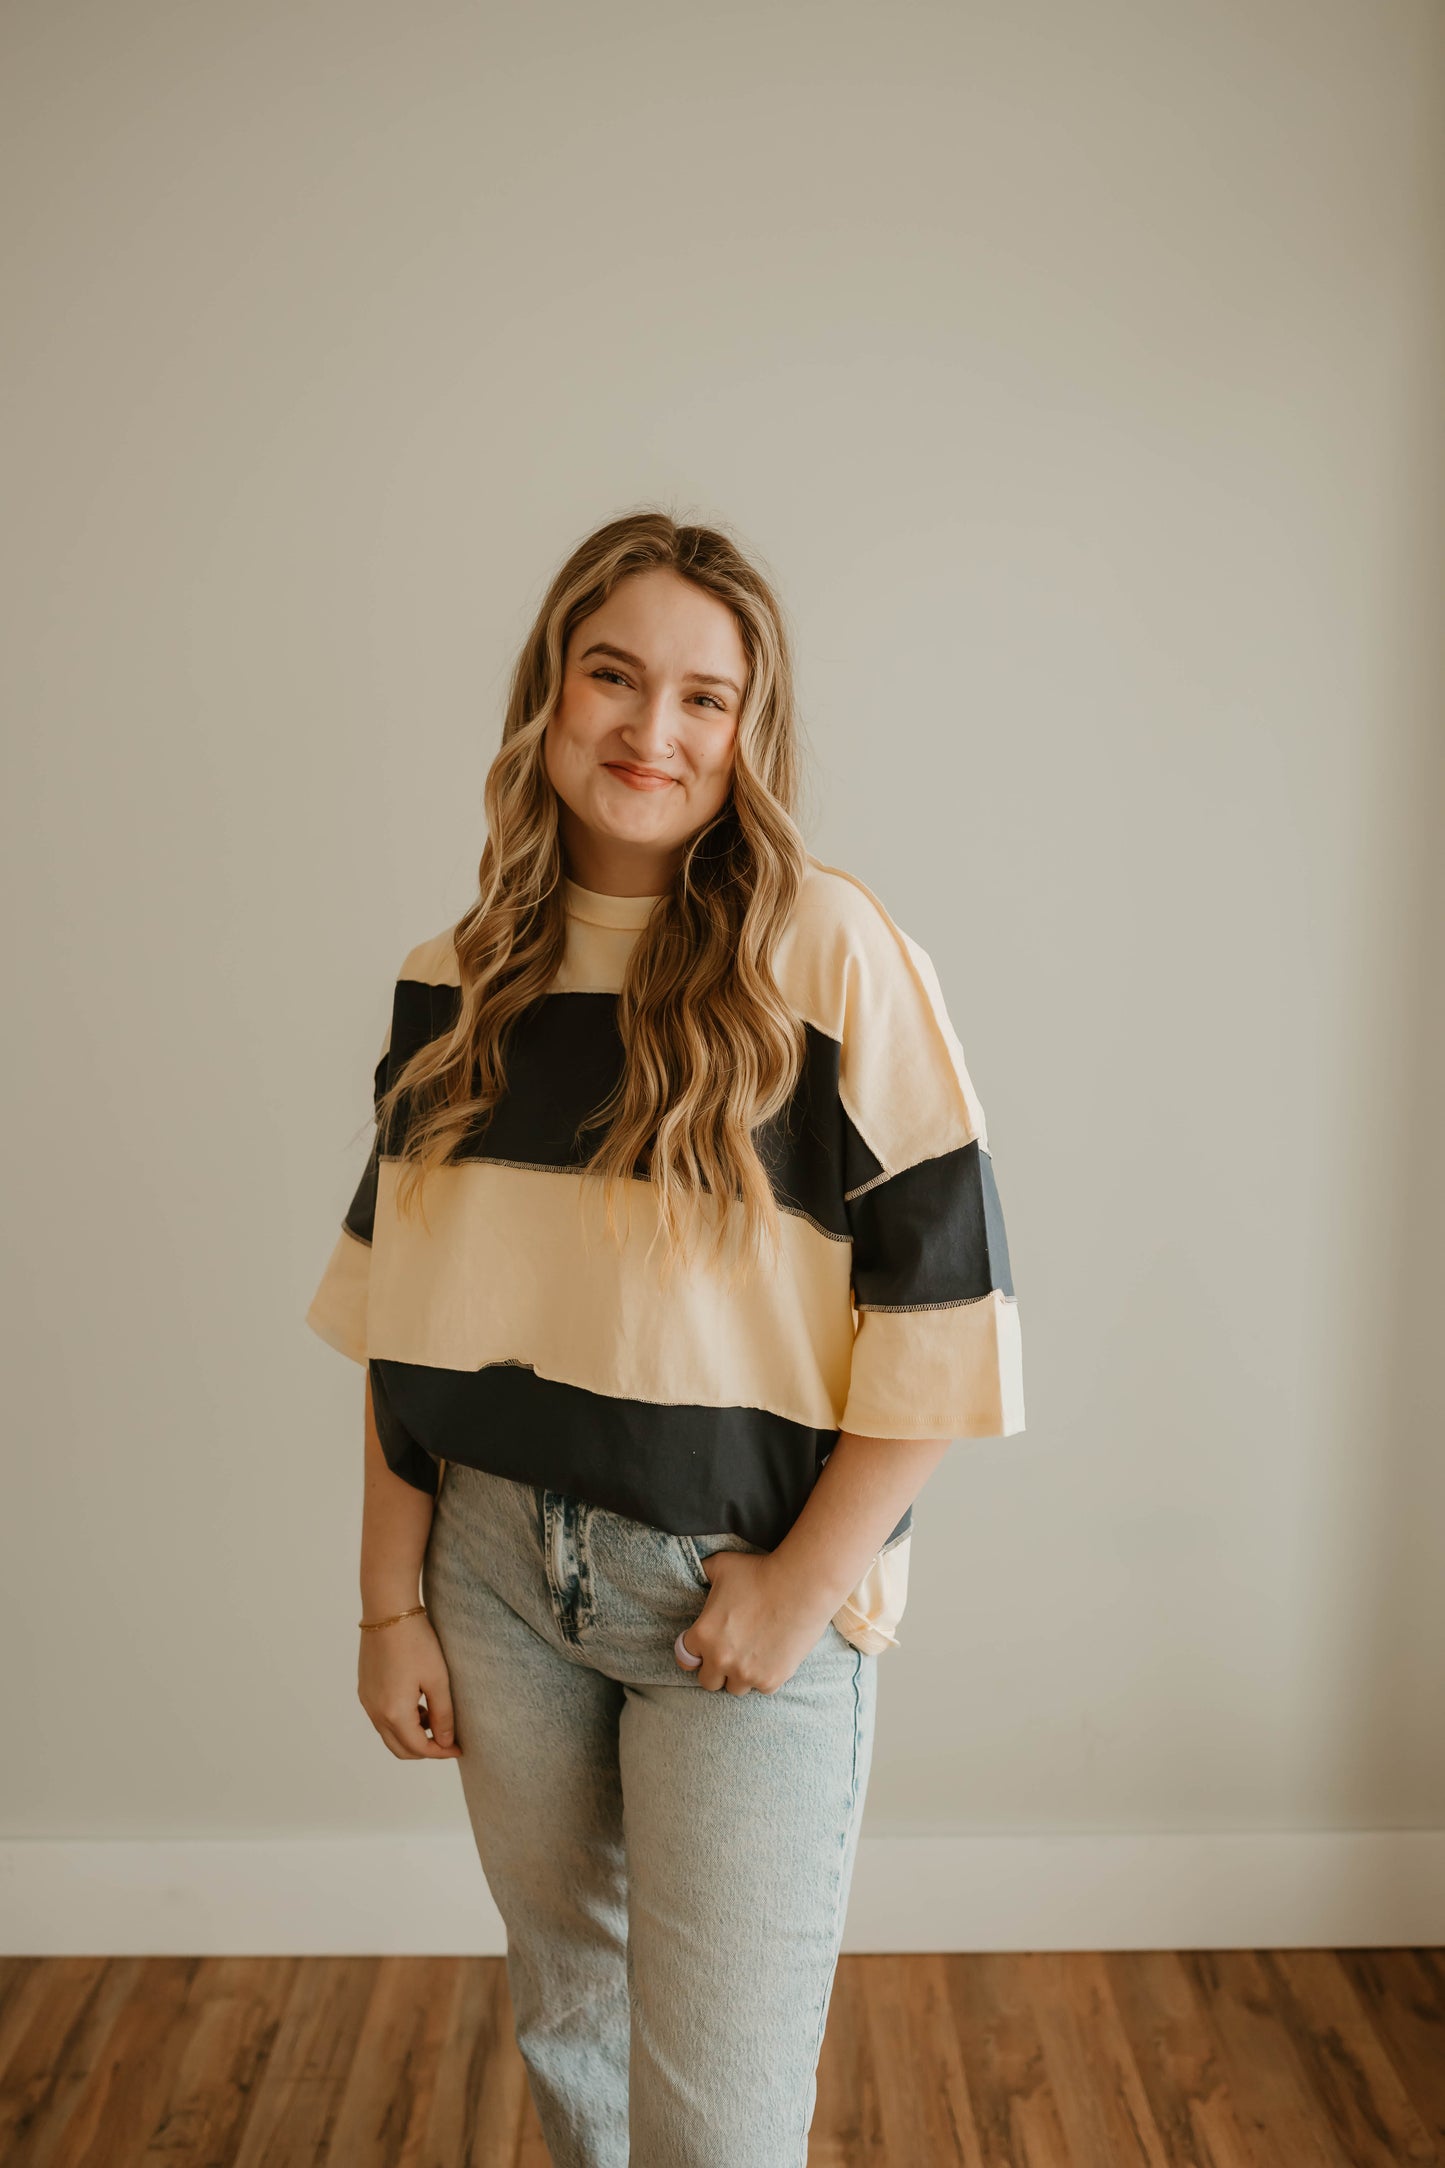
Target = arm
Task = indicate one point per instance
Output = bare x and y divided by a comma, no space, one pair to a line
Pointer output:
399,1663
767,1611
865,1487
395,1523
936,1349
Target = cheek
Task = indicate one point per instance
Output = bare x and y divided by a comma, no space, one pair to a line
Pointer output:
566,739
715,767
564,766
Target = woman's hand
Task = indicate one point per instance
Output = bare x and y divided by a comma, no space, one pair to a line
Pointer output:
756,1627
397,1665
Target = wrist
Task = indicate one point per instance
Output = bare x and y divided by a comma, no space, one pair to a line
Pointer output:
383,1599
388,1619
806,1597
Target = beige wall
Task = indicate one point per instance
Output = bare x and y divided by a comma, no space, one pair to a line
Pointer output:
1074,370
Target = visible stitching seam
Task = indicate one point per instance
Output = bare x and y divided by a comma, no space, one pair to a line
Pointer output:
543,1166
959,1302
891,1174
838,1892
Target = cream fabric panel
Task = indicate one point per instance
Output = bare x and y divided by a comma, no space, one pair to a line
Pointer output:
951,1372
517,1263
848,969
338,1307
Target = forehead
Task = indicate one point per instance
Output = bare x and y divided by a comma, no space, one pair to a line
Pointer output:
668,624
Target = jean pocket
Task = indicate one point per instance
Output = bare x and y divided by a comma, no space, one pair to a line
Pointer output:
692,1559
694,1549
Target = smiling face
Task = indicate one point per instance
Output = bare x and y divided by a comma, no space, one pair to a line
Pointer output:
640,750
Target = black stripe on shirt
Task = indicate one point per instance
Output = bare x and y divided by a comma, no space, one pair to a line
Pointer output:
564,1057
692,1470
933,1233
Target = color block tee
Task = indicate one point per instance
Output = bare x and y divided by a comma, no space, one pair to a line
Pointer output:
508,1330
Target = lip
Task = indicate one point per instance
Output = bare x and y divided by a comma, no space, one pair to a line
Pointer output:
639,778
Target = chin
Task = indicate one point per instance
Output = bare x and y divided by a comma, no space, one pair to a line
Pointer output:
639,817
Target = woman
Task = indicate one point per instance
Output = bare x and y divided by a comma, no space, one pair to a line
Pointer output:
653,1469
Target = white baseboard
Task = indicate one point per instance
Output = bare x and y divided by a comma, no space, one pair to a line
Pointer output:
398,1895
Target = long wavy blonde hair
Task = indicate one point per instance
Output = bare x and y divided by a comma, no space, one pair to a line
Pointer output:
711,1048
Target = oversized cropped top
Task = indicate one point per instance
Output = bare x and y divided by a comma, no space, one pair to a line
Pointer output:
508,1330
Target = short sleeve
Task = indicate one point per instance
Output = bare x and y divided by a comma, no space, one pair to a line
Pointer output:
338,1309
937,1349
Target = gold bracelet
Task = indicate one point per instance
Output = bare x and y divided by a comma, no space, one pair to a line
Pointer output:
370,1625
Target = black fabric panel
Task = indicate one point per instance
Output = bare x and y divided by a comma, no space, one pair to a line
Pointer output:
361,1212
933,1233
360,1217
993,1221
564,1056
399,1448
419,1014
860,1162
564,1059
802,1147
689,1469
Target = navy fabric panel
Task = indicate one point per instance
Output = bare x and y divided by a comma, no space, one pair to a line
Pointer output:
692,1470
932,1234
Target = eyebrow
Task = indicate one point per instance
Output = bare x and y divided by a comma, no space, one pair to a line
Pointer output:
694,677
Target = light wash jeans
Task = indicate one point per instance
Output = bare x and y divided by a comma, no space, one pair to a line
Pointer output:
672,1865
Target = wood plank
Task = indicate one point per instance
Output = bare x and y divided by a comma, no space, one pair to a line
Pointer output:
387,2095
481,2113
1353,2077
1177,2059
124,2092
68,2011
1404,1992
531,2149
923,2099
238,2004
1214,2059
1016,2115
847,2119
531,2152
1272,2093
1101,2100
22,1984
301,2085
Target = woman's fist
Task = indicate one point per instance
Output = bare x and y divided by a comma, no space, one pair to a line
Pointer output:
755,1628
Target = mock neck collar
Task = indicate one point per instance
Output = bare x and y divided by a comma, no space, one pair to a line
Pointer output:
630,912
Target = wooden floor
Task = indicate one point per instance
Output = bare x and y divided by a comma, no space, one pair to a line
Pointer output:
1294,2059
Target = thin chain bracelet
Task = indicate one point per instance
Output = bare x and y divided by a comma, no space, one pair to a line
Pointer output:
370,1625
